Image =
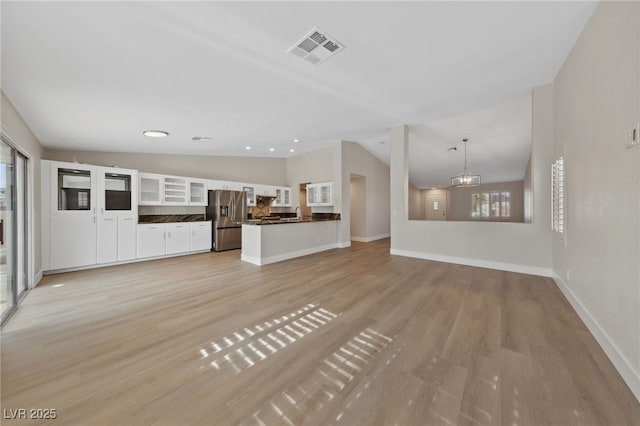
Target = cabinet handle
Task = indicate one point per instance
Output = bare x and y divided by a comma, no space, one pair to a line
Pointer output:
94,219
108,218
163,234
102,210
168,234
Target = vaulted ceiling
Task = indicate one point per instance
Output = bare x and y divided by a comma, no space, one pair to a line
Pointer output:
94,75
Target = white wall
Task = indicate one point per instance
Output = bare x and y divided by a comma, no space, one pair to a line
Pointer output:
268,171
357,160
358,204
597,265
508,246
14,127
322,165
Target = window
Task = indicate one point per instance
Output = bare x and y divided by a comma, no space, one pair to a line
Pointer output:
557,194
490,204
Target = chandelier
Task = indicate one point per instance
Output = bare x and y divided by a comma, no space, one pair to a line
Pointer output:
465,179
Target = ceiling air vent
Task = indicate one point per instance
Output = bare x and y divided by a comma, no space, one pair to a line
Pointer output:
316,47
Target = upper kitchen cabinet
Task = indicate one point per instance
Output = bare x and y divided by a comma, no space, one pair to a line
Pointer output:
223,184
151,189
283,197
251,194
320,194
198,192
176,191
74,187
160,190
266,190
117,191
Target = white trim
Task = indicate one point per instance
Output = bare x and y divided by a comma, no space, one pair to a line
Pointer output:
122,262
286,256
512,267
30,188
372,238
37,278
344,244
617,358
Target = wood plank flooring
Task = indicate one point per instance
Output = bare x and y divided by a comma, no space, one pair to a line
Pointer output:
344,337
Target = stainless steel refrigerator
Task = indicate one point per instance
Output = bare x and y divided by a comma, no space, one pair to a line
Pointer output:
227,210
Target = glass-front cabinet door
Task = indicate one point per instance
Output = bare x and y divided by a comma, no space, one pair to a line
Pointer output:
151,188
198,192
117,190
74,186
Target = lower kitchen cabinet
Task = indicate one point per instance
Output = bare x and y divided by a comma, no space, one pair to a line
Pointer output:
178,238
200,236
127,237
116,238
151,240
107,238
160,239
73,239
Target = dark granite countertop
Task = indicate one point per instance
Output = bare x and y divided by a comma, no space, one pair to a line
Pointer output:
317,217
170,218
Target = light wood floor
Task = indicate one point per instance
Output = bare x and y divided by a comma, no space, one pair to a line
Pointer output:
344,337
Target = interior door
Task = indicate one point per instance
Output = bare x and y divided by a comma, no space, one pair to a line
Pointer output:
436,207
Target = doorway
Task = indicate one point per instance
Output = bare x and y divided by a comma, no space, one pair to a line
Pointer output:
436,206
14,254
305,211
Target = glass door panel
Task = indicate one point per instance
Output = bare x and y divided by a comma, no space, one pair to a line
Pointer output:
7,249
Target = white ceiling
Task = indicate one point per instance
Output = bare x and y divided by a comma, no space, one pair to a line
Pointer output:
94,75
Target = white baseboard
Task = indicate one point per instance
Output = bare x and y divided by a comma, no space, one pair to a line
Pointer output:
620,362
369,239
37,278
344,244
122,262
511,267
287,256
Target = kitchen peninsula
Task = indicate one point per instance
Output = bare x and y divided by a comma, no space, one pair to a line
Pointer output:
270,241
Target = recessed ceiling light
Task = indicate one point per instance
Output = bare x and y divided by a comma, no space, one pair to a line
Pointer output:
272,149
296,140
291,150
433,187
155,133
247,147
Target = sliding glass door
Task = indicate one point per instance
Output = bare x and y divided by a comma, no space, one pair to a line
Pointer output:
14,263
7,295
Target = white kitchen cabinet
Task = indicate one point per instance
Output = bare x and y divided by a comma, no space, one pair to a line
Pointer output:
251,194
107,238
266,190
176,191
283,197
83,206
73,241
150,189
200,236
69,204
117,191
178,237
320,194
151,240
198,192
127,237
